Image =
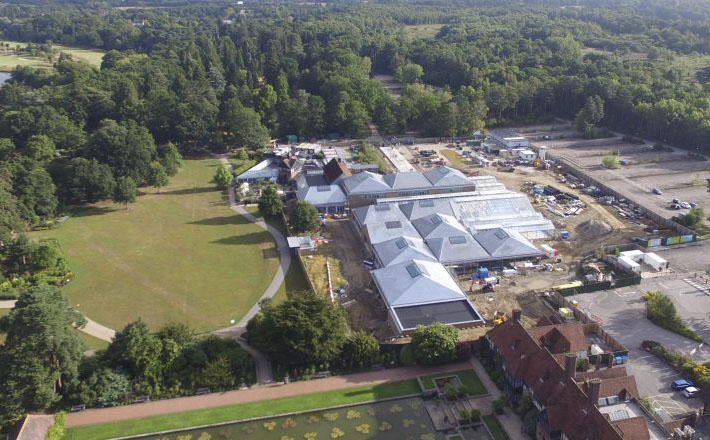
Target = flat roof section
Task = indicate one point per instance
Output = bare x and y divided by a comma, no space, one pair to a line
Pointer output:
452,312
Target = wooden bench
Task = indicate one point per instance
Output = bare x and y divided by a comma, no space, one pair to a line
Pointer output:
202,391
142,399
77,408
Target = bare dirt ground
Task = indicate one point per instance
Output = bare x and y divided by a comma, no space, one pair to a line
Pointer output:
367,312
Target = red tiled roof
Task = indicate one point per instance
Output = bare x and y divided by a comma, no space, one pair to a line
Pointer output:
335,169
561,338
566,403
634,428
603,374
614,387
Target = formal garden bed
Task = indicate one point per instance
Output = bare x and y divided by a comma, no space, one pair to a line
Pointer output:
462,383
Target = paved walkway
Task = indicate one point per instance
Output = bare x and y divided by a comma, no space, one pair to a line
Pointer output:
92,328
169,406
509,420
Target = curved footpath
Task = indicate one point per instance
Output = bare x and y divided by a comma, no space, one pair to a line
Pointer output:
263,365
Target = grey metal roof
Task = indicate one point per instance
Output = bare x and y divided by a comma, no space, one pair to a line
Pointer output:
400,249
506,244
452,312
457,249
364,183
406,180
421,208
322,195
370,214
367,183
379,232
416,282
438,226
445,176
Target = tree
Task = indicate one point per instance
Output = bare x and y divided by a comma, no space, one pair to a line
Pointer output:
138,351
590,114
434,344
40,148
170,158
126,147
694,217
242,155
611,161
7,148
409,73
10,219
304,217
245,125
361,350
157,178
303,330
87,181
270,203
37,359
222,178
125,191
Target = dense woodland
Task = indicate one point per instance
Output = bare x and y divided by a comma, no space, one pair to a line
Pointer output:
192,77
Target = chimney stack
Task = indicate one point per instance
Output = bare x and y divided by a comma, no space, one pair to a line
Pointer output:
517,314
610,361
594,386
570,365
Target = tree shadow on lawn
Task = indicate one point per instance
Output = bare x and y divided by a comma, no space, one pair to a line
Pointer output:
234,219
88,211
187,191
246,239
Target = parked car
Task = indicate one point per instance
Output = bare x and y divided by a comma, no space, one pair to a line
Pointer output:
656,191
685,205
681,384
675,201
693,205
691,392
675,206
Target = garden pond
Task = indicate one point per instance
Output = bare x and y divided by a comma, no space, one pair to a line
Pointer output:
402,419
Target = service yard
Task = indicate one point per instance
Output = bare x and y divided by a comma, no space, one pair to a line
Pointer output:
670,170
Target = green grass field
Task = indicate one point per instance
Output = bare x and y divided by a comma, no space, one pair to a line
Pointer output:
468,378
9,60
245,411
181,255
422,30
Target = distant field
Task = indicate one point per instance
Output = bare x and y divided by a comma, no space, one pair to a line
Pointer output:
181,255
9,60
422,30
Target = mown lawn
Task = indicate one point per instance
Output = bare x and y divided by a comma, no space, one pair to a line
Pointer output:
9,59
179,255
468,378
453,157
495,427
245,411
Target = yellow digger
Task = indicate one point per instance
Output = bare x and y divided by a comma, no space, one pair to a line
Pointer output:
498,318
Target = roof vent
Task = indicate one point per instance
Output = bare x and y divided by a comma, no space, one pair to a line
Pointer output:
393,225
322,189
382,208
457,239
401,243
413,270
501,234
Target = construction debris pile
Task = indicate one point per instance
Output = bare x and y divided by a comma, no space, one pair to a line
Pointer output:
560,203
594,228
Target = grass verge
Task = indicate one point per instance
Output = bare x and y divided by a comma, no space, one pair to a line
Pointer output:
495,427
453,157
244,411
468,378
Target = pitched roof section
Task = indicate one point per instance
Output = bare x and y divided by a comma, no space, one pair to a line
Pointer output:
379,232
334,170
364,183
322,195
367,182
456,249
504,243
401,249
416,282
445,176
422,208
561,338
367,215
438,226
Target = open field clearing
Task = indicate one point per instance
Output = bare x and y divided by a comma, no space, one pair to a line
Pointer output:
422,30
10,58
179,255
